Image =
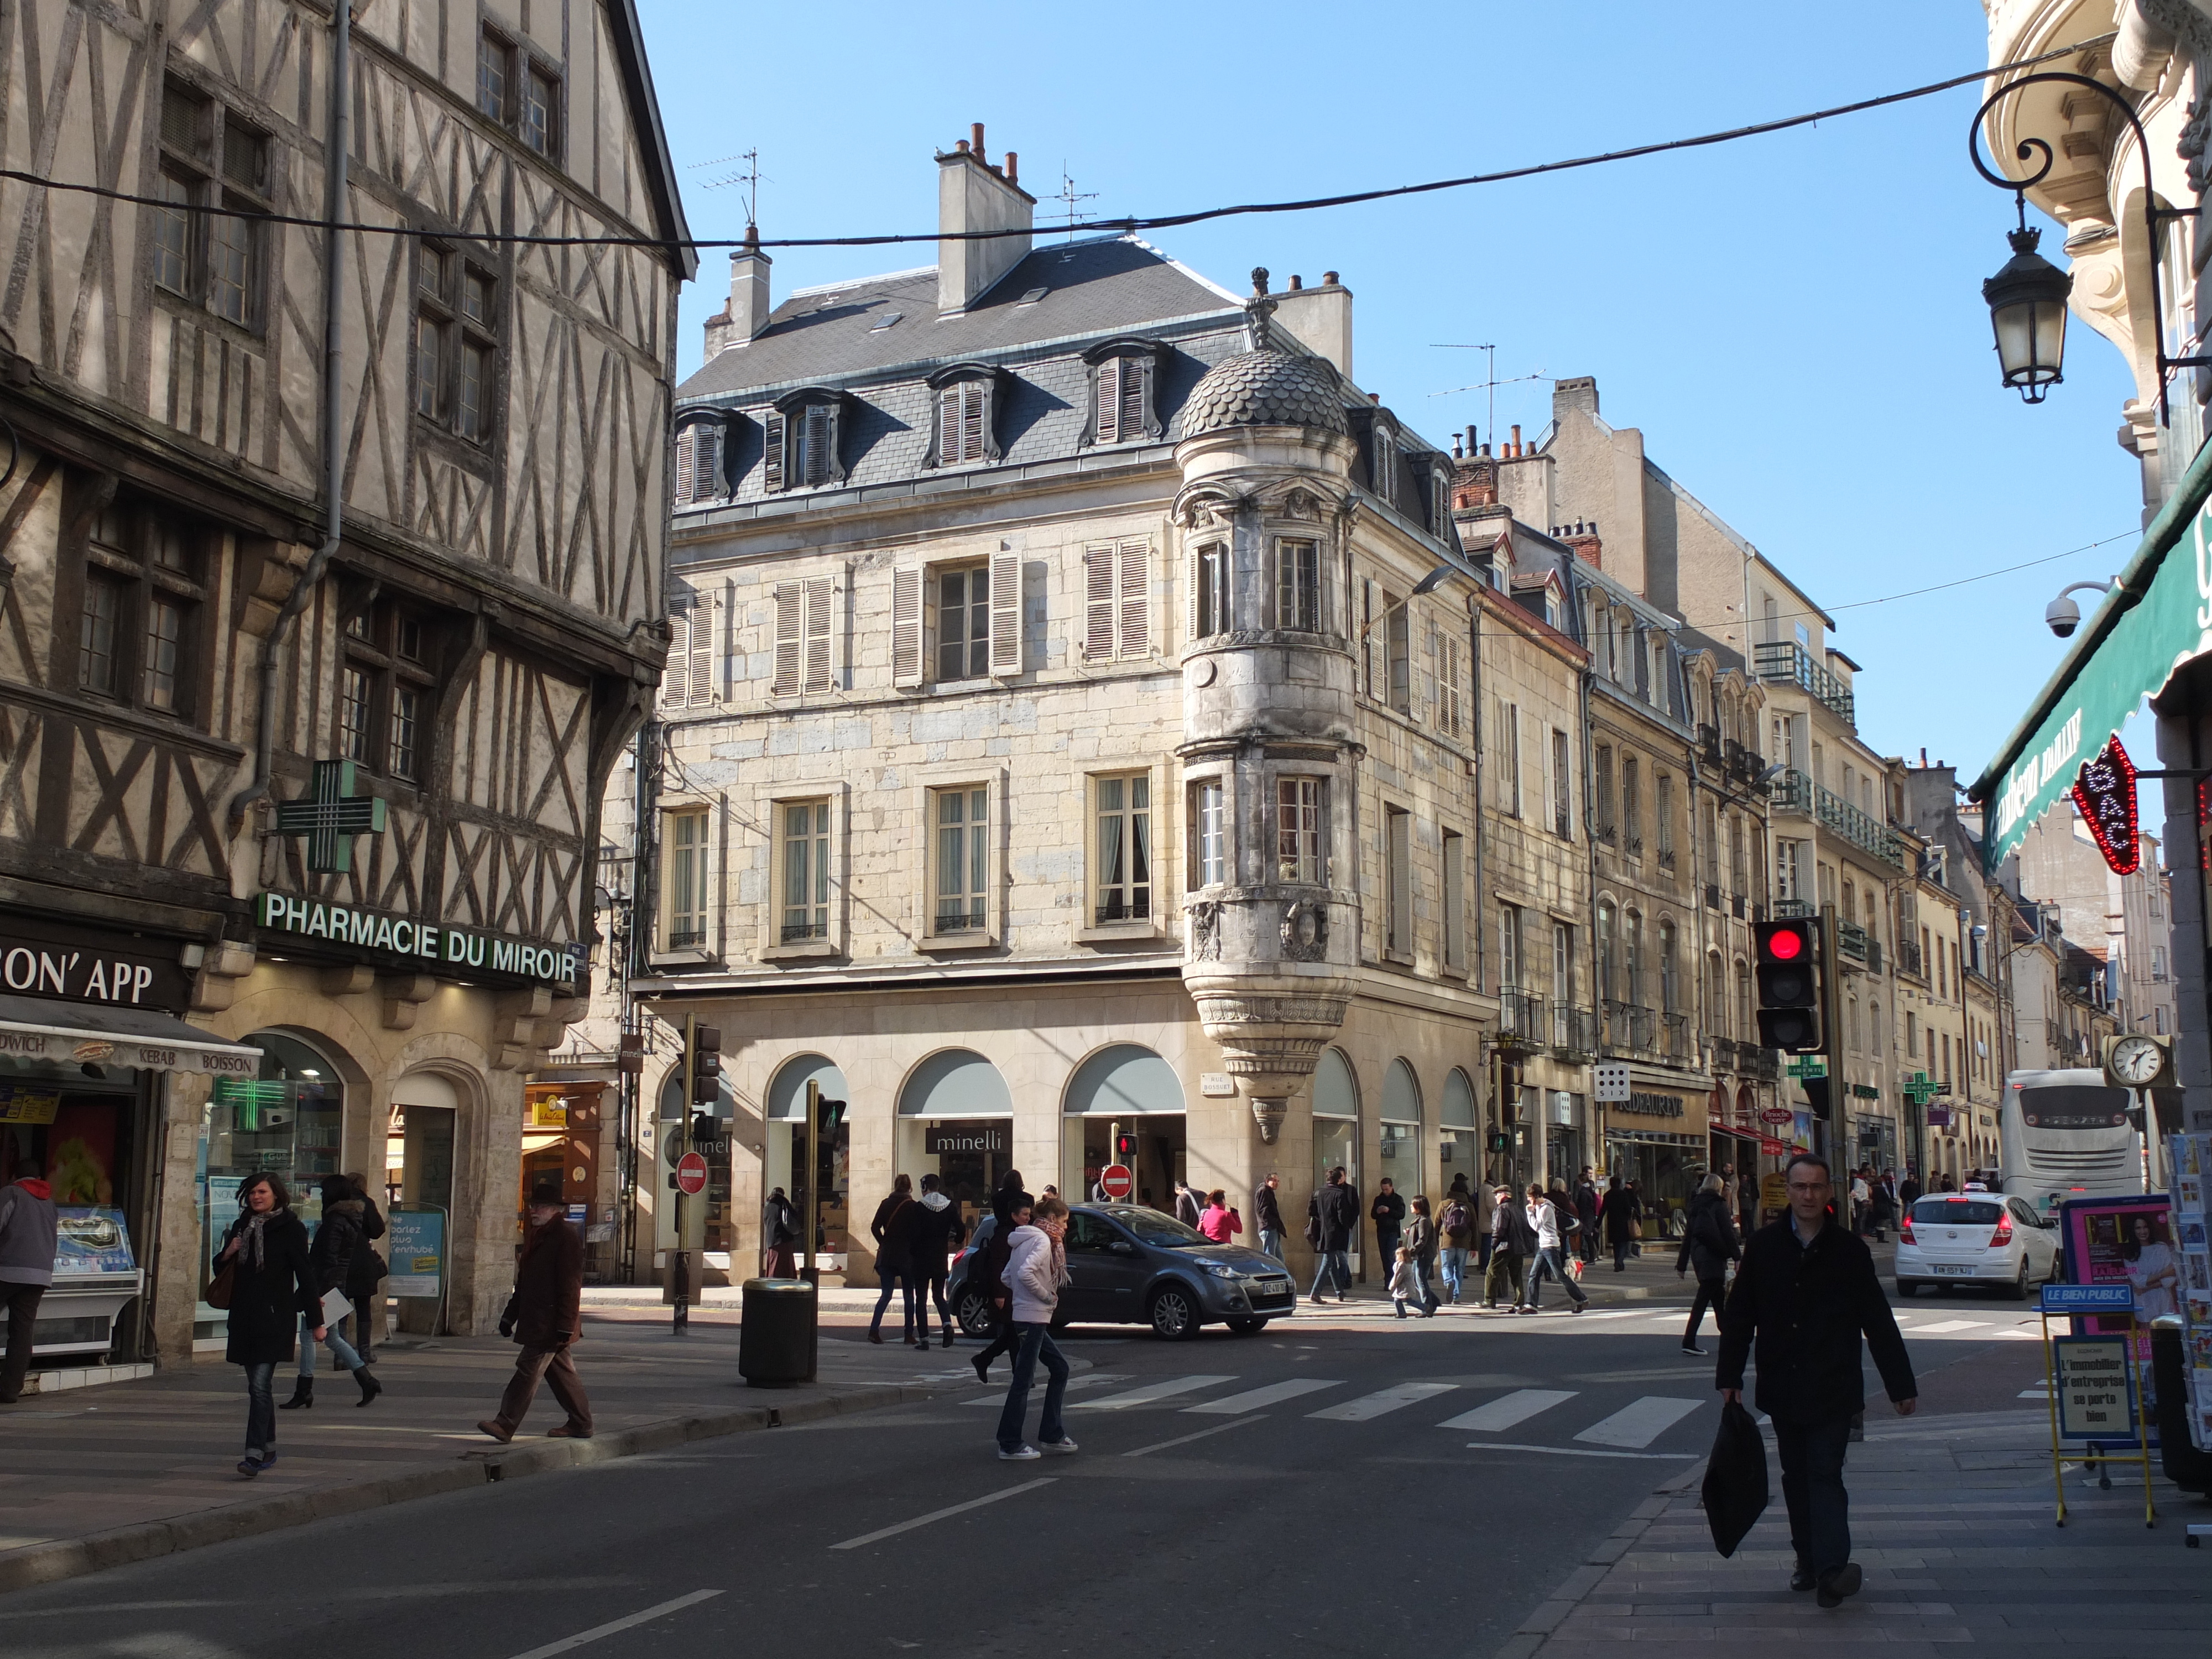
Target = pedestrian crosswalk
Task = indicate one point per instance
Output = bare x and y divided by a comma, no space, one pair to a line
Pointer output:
1627,1431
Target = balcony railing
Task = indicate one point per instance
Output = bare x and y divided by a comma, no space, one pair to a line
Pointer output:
1520,1016
1724,1052
685,938
1786,662
798,932
1763,1064
1791,792
1674,1038
1908,959
1629,1028
1852,940
1795,792
1795,909
1574,1031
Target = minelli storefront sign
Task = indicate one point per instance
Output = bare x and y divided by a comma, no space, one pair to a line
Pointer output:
415,943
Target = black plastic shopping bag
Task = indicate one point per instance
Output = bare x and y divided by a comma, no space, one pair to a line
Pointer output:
1735,1479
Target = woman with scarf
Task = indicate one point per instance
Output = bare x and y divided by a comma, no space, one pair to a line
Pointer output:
333,1261
1036,1266
272,1287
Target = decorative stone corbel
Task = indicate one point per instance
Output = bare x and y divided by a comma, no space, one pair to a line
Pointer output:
403,994
1268,1113
346,982
226,963
519,1030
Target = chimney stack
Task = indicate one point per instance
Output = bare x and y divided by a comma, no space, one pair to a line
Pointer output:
746,315
1319,319
972,196
1581,541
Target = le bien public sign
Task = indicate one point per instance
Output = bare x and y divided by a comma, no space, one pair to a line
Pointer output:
415,945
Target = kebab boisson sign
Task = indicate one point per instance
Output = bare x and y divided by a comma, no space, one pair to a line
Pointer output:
432,943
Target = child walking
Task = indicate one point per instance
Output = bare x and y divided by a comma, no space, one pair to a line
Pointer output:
1406,1287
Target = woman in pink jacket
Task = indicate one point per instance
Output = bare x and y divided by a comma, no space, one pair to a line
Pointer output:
1217,1221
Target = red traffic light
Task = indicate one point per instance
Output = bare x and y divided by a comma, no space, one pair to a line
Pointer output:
1786,945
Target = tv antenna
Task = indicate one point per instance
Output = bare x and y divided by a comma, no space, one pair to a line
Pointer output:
748,176
1068,194
1489,385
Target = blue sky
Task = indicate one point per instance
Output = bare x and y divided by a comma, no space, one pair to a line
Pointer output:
1796,322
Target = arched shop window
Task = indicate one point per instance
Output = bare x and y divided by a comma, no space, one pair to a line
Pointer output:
955,1122
1402,1128
1335,1119
289,1121
1125,1104
783,1154
1455,1117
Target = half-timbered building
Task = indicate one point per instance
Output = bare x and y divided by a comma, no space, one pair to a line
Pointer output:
299,796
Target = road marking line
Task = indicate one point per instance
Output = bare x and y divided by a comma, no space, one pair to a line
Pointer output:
593,1635
1578,1451
1151,1394
1184,1440
1374,1405
1951,1325
922,1521
2033,1394
1251,1399
1638,1425
1508,1410
1088,1380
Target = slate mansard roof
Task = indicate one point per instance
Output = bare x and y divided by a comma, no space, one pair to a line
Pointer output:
824,335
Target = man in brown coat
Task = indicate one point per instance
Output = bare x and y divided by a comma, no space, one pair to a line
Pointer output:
544,1315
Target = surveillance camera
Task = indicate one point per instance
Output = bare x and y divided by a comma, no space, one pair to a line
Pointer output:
2062,616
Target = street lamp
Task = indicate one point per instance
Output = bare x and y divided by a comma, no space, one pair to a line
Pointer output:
2027,298
2028,310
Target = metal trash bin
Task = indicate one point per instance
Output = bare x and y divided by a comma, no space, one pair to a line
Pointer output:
776,1331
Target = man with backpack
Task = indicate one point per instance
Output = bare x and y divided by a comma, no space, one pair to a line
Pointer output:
1457,1223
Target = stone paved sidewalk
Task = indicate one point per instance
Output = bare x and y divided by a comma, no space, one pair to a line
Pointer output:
1952,1517
98,1475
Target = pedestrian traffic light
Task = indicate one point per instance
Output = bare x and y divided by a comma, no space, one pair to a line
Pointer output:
1787,958
1125,1149
831,1113
706,1063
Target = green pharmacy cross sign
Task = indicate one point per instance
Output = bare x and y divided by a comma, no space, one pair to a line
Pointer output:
330,815
1920,1088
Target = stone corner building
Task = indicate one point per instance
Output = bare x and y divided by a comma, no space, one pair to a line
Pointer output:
194,989
1072,746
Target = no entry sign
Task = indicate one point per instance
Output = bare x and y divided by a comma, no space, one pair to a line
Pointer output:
691,1175
1116,1182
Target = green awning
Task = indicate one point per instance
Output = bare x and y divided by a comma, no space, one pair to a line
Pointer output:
2159,618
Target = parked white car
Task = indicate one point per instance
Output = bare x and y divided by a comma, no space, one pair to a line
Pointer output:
1983,1239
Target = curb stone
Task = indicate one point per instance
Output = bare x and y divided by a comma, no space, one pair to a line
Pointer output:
1549,1613
75,1558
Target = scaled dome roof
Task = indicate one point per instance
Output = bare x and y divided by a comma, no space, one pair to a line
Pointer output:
1265,388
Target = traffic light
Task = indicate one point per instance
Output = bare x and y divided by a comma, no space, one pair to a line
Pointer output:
706,1063
1508,1090
1125,1149
1787,957
832,1113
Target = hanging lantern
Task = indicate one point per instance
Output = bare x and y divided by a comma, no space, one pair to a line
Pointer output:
2028,310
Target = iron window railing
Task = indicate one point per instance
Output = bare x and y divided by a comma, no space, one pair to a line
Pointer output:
1786,662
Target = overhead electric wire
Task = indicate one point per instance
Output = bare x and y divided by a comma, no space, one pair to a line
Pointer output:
1127,225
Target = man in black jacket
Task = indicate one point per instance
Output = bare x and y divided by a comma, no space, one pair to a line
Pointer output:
1267,1216
1807,1290
1388,1214
1332,1223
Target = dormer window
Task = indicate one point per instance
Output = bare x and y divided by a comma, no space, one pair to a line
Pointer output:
965,426
701,448
1123,405
801,441
1384,464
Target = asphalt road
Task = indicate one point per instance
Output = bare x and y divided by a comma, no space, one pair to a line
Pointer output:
1327,1485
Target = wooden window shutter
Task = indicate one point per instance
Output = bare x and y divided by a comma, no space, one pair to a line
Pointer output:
1098,603
772,451
821,439
1135,598
1136,373
1194,585
1005,613
707,467
699,657
1107,428
820,593
687,467
790,637
906,627
974,404
673,676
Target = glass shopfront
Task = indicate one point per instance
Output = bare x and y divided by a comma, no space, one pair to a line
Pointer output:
1125,1104
1666,1168
286,1122
1335,1136
83,1126
783,1161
